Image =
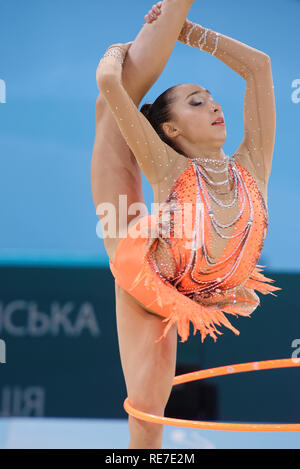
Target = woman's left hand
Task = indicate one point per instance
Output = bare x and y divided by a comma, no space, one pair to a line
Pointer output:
124,46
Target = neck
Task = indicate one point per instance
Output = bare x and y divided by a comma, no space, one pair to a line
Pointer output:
209,153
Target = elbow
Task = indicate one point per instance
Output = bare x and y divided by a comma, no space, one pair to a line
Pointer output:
267,60
260,62
99,100
104,81
264,61
100,106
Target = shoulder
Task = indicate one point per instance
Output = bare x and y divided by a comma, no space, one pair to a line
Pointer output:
243,159
178,164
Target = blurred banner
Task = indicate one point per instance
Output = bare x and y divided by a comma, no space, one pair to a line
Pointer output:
62,356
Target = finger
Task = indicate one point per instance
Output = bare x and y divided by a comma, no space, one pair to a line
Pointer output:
156,8
147,19
154,13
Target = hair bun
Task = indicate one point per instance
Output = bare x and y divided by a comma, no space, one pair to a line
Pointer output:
145,109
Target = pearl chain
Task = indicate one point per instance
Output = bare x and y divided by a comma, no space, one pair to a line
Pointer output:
211,160
214,221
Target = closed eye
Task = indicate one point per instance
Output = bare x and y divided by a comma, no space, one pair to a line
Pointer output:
196,104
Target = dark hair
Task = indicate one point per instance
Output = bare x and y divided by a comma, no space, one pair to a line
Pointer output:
159,112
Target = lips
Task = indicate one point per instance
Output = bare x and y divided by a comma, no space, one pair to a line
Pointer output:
219,120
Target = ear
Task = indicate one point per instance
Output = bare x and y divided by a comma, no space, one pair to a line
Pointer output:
170,130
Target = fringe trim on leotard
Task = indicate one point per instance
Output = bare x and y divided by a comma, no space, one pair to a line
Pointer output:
180,309
257,281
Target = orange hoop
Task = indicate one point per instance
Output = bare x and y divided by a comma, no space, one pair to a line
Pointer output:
220,371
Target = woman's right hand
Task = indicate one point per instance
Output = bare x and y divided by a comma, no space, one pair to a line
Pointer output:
154,13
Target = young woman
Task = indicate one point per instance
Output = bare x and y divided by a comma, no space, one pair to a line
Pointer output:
210,268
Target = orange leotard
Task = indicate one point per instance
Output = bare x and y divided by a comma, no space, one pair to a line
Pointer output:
197,293
180,277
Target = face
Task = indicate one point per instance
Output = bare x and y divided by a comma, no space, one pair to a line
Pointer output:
194,111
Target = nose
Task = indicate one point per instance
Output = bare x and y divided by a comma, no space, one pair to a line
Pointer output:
216,107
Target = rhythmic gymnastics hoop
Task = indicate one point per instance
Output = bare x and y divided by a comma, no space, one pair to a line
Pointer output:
221,371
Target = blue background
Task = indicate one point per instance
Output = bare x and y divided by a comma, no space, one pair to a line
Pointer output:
49,52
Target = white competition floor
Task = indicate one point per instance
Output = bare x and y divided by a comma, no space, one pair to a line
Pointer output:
50,433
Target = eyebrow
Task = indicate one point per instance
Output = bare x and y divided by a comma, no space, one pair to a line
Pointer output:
199,91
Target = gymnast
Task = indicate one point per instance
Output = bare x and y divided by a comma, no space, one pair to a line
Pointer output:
165,281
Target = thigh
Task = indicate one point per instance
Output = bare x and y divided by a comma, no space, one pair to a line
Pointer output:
149,367
116,180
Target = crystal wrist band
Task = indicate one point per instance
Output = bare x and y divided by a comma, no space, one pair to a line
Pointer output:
116,52
202,40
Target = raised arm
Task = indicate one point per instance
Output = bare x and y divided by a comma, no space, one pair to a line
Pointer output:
152,154
144,62
259,102
152,48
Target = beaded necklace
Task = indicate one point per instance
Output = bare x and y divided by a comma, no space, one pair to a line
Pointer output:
198,231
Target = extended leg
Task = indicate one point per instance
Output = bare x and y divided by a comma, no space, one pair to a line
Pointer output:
149,367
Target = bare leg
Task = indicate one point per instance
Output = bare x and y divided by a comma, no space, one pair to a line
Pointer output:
114,169
149,367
